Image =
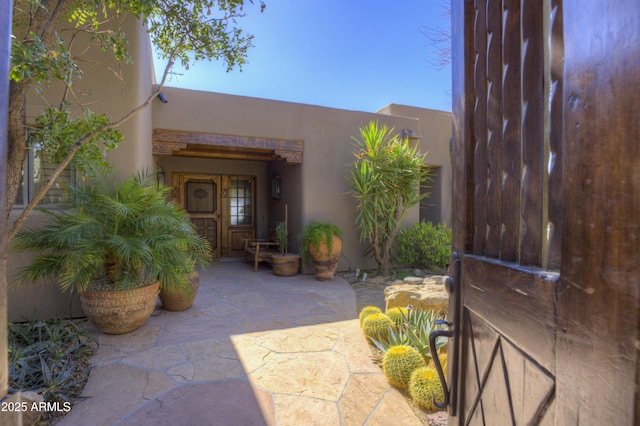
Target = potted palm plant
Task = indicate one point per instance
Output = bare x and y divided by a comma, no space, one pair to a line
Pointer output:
284,264
117,244
322,244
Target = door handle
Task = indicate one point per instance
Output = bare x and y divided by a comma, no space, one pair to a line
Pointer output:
452,283
436,362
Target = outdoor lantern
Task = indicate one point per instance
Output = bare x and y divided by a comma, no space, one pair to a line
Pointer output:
161,176
276,188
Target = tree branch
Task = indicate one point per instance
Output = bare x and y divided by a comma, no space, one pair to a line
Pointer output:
79,144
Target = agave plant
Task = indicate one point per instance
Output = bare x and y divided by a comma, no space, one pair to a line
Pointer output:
395,337
124,232
419,327
413,331
49,358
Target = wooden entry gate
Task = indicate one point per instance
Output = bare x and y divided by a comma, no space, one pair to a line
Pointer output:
546,266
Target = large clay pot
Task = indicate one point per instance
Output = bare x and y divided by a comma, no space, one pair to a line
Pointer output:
181,300
119,312
325,262
285,265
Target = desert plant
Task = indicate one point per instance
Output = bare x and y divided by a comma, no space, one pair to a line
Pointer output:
316,233
368,310
424,385
49,358
398,315
124,231
394,337
442,356
425,245
399,363
385,181
376,326
419,327
414,331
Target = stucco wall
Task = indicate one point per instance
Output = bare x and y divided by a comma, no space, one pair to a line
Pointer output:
314,190
43,299
103,92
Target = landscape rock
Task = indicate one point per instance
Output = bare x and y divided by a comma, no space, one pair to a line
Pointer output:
29,416
378,280
427,293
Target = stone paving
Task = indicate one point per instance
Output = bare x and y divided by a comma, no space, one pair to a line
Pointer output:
255,349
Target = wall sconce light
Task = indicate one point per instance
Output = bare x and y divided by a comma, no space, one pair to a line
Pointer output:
161,176
276,188
410,134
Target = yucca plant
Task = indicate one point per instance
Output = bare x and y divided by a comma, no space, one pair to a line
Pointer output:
386,180
123,232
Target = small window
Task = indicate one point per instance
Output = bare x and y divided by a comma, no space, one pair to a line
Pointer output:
241,201
37,168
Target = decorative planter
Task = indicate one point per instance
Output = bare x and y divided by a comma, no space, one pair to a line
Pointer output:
285,265
325,262
119,312
177,301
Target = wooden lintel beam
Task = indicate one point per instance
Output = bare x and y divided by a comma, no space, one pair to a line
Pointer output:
226,155
177,142
216,139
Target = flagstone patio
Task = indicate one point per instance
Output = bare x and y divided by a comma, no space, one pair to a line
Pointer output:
255,349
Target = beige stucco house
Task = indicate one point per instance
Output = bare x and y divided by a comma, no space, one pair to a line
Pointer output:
236,164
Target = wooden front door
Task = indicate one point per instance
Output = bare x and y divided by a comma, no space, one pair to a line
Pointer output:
199,196
546,264
221,207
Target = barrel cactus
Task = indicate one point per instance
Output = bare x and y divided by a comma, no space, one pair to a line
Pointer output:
423,386
398,315
399,363
368,310
376,326
443,362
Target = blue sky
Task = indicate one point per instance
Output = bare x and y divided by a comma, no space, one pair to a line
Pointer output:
349,54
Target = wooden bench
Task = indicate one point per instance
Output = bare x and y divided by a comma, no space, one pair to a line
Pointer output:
259,251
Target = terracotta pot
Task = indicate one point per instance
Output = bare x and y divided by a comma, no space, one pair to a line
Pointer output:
325,263
285,265
119,312
181,300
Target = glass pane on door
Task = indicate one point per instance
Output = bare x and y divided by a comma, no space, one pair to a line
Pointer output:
241,201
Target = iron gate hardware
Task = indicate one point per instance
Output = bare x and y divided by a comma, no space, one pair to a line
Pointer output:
452,285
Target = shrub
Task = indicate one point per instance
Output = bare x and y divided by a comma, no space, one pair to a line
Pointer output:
368,310
424,384
425,246
399,363
377,326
